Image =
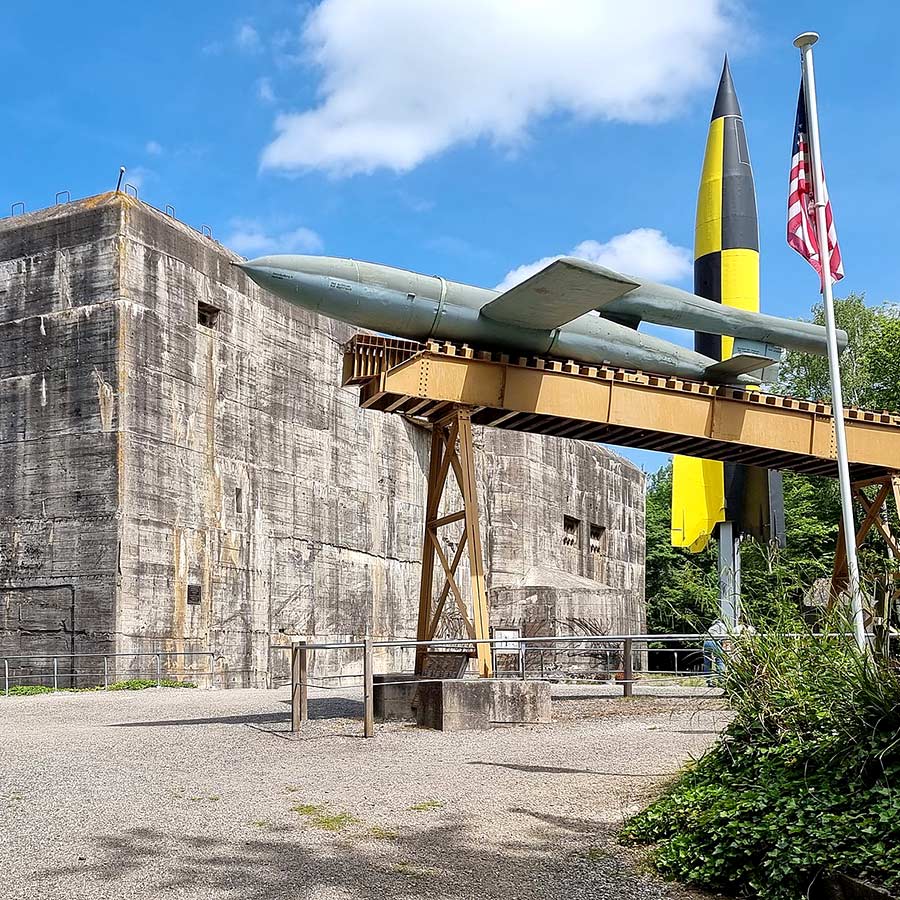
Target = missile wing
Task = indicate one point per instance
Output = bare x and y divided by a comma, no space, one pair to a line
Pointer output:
557,294
569,287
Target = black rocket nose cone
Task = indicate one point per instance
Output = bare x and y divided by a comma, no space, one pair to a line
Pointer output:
726,99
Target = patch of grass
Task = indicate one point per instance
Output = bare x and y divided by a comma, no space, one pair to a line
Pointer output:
130,684
427,805
29,690
384,834
141,684
593,854
319,816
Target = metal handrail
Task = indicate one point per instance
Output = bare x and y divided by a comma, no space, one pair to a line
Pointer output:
300,681
56,657
444,642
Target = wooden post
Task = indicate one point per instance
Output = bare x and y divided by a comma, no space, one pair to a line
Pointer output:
426,584
299,685
473,540
368,689
627,668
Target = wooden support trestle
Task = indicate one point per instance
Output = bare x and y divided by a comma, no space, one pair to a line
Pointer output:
874,516
452,449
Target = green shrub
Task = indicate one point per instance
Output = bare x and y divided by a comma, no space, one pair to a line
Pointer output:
806,777
131,684
140,684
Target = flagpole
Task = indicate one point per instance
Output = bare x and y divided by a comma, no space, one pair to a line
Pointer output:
804,43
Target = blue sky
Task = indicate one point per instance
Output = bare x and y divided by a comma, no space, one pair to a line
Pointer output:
462,138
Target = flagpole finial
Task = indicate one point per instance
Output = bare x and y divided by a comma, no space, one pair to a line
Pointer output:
807,39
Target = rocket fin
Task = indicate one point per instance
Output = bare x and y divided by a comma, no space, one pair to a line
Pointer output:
564,290
698,501
740,364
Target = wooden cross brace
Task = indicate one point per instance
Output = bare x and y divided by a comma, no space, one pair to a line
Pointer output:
452,449
873,515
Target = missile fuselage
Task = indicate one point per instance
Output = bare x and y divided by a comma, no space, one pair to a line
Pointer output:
425,307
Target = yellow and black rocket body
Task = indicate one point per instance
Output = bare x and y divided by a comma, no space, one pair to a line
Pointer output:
726,270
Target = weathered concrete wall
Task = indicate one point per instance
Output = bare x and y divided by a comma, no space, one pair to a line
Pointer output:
209,487
58,441
323,539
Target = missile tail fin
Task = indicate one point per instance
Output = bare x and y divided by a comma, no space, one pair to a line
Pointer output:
740,364
698,501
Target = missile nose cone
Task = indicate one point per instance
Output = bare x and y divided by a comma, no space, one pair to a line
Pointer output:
726,98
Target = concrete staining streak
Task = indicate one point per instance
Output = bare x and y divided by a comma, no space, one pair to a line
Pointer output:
213,487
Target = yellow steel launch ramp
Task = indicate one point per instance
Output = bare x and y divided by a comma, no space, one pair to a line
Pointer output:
617,406
453,387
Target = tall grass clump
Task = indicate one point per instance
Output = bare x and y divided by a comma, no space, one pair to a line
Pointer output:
805,779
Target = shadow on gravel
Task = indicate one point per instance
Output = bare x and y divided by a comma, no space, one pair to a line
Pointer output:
328,708
636,698
545,856
557,770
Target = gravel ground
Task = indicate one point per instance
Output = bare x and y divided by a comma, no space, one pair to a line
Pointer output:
205,794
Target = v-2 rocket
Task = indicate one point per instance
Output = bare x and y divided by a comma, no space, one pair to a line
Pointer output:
706,493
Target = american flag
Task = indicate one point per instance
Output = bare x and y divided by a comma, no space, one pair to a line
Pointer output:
801,226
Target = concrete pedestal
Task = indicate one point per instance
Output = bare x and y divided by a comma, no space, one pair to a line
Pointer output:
480,704
394,701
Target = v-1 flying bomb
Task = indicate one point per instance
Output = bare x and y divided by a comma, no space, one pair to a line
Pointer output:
552,313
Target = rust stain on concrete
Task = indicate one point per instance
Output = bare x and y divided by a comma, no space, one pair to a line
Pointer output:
106,396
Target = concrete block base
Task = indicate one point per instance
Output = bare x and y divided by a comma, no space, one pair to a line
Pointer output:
394,701
480,704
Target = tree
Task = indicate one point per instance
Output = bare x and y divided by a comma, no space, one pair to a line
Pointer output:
870,366
682,589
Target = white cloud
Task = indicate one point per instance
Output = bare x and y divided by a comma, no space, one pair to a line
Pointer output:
645,252
264,90
251,237
460,70
246,38
153,148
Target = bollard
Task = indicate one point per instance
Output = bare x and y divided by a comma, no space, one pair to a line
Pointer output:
627,669
55,674
368,690
299,685
105,673
158,671
6,675
212,657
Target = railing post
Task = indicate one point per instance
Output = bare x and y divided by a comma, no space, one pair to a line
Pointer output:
105,673
6,675
368,689
55,674
158,671
299,685
627,668
212,662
